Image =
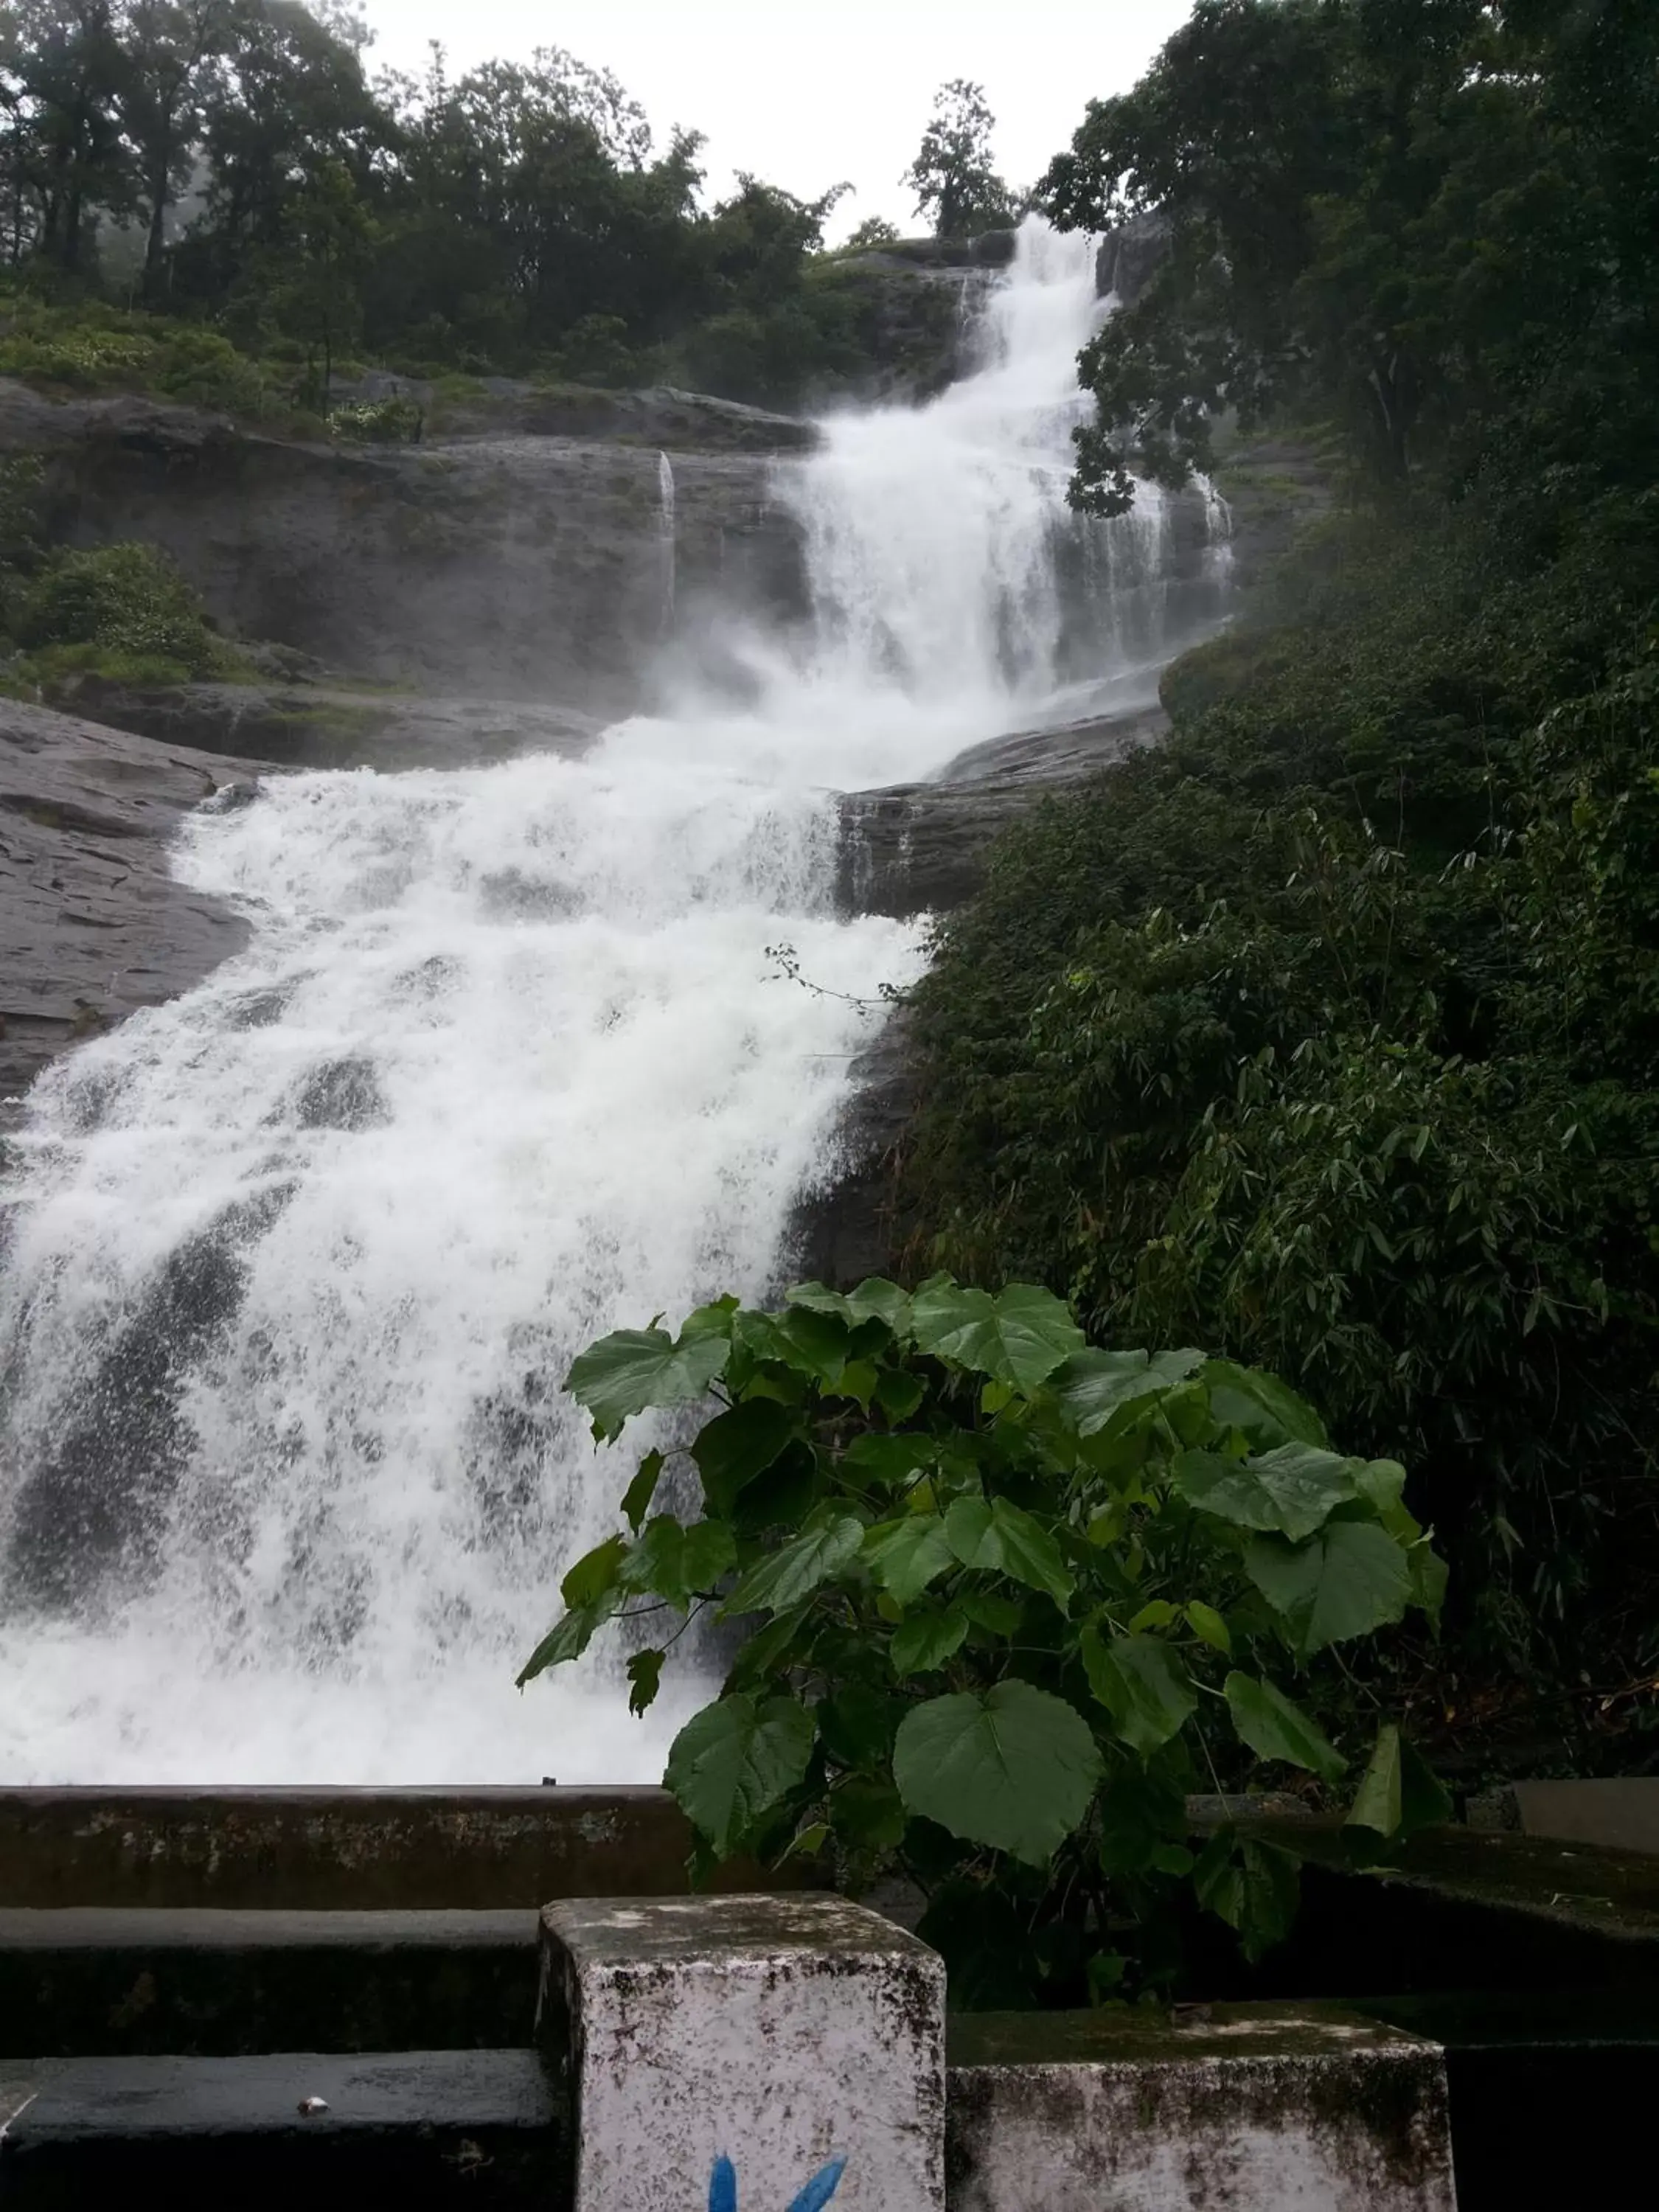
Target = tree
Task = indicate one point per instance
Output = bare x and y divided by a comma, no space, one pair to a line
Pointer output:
67,68
952,176
1389,212
872,234
170,47
318,281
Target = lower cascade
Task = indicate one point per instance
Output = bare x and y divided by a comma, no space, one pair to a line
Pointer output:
291,1269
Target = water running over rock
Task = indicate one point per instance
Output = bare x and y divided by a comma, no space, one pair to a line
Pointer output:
293,1266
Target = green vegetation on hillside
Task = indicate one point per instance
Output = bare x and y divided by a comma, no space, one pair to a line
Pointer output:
233,164
1329,1035
122,612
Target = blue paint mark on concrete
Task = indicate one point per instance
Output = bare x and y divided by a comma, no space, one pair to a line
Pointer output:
723,2187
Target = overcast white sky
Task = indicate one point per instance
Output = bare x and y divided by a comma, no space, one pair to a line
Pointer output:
804,94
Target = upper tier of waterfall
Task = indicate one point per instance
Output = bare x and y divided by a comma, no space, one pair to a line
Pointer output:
293,1266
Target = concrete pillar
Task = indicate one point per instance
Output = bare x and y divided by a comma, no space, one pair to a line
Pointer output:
747,2054
1217,2108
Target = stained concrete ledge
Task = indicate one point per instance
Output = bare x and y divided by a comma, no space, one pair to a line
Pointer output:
1230,2108
409,2128
228,1984
327,1849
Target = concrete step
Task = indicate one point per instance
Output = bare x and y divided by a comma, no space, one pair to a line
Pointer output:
225,1985
424,2127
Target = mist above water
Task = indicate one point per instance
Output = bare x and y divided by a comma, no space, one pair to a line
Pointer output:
294,1267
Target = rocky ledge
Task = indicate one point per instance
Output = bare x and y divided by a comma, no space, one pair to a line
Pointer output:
920,848
93,927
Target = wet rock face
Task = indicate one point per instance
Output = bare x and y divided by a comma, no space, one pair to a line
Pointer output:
92,925
515,567
323,725
1131,255
920,848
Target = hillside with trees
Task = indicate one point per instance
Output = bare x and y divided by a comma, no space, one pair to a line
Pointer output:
240,167
1329,1033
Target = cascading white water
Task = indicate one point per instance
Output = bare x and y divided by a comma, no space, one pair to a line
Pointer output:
668,539
295,1264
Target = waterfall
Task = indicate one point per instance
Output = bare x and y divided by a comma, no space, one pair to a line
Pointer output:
668,538
294,1266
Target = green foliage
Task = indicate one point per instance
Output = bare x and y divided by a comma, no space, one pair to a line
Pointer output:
1330,1034
86,347
518,219
953,176
1010,1599
1432,219
397,421
122,610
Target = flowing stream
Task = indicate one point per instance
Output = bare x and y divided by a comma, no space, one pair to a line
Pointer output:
293,1266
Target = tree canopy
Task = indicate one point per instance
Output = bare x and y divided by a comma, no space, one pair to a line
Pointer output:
953,176
1432,219
236,160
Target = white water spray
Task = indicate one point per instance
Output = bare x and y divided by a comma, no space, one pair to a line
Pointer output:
668,541
295,1264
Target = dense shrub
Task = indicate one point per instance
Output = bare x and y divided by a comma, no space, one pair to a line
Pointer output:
1331,1034
120,609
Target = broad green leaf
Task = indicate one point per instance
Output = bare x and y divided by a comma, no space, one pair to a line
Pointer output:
858,1382
1349,1578
967,1525
676,1564
925,1640
893,1460
1398,1792
1019,1336
636,1498
770,1651
997,1616
714,1320
1292,1490
644,1680
1207,1624
1013,1767
1263,1408
787,1576
1275,1728
898,1395
1093,1386
906,1555
1429,1576
1143,1684
595,1575
569,1638
1253,1886
867,1814
1160,1613
876,1300
808,1843
736,1447
737,1758
781,1496
638,1368
1001,1539
1021,1548
1383,1481
814,1343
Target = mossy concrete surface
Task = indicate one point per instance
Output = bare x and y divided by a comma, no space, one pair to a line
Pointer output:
1227,2108
344,1850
